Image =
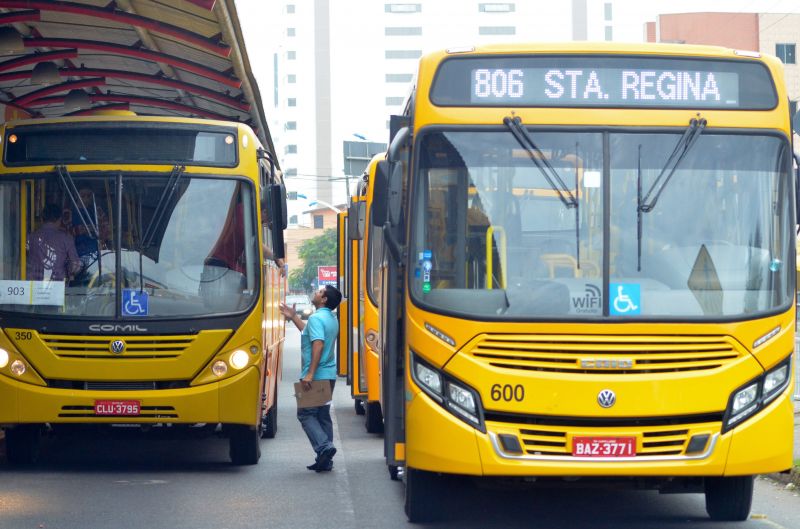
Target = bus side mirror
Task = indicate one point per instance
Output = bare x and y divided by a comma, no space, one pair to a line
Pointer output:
278,217
356,213
380,194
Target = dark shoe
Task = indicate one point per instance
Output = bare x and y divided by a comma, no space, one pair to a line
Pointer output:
325,458
326,469
314,466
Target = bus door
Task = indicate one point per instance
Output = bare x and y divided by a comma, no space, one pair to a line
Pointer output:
355,312
385,216
343,276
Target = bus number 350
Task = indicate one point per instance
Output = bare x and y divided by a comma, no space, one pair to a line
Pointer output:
507,392
498,83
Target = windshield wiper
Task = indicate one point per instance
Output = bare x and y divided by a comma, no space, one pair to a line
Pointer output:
569,200
687,141
74,197
90,224
644,205
161,207
540,160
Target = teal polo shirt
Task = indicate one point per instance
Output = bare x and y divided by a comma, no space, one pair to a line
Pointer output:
322,325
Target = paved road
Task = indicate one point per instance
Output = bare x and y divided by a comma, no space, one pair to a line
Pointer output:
110,483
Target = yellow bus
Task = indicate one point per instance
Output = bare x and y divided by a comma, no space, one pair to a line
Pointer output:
138,283
588,270
367,260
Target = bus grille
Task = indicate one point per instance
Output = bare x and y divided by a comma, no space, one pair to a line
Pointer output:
98,347
653,437
124,385
605,354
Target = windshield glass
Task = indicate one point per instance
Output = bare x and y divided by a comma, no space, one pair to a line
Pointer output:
127,245
494,238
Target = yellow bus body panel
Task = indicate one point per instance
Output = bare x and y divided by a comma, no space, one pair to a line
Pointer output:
229,401
437,440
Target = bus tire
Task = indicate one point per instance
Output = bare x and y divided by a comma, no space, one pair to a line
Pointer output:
374,417
269,424
23,444
245,444
358,404
424,495
729,499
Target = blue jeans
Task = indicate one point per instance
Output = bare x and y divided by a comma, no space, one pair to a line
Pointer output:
318,425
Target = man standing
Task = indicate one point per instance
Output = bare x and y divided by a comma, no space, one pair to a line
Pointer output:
318,363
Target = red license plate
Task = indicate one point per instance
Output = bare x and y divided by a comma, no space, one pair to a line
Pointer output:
604,446
117,407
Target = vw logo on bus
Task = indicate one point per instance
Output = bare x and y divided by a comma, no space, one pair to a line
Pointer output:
606,398
117,347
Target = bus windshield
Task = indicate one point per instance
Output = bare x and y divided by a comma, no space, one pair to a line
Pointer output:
127,245
494,238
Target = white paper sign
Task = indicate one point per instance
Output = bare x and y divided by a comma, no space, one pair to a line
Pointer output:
31,292
591,179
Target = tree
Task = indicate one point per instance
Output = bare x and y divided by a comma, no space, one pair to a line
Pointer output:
319,251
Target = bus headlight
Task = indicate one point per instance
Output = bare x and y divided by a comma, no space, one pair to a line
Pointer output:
219,368
462,402
239,359
756,394
774,380
3,358
428,378
18,368
455,396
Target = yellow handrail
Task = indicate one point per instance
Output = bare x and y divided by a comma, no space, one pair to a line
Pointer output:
489,234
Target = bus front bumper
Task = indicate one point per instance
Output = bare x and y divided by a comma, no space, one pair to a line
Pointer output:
235,400
438,441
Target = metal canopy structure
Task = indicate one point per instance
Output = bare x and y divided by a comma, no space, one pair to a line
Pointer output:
153,57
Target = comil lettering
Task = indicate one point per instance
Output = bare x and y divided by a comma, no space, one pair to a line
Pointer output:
669,86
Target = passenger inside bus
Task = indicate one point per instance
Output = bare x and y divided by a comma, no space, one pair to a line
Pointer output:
51,250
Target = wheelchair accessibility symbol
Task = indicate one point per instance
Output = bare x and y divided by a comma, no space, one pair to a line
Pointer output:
624,299
134,302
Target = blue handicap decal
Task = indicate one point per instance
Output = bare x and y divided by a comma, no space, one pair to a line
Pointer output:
134,302
624,299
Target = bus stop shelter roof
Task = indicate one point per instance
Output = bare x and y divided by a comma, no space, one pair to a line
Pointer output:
171,58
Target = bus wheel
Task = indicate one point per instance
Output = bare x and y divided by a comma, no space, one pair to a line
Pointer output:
374,419
424,495
269,424
245,444
359,406
23,443
729,499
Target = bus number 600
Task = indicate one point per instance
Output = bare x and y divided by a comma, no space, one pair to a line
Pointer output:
507,392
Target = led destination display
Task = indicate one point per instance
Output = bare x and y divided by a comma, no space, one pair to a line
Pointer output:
591,81
605,86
